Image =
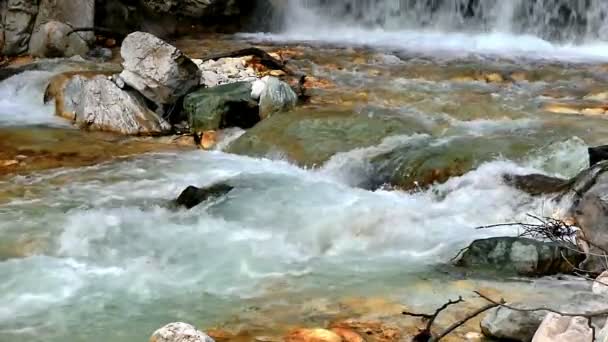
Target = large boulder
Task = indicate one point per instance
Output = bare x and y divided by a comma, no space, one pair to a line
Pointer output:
104,106
18,23
276,96
513,325
75,13
156,69
521,256
310,138
224,106
53,39
179,332
557,328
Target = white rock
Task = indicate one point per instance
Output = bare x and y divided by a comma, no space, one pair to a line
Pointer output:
258,88
179,332
276,97
600,286
105,107
156,69
557,328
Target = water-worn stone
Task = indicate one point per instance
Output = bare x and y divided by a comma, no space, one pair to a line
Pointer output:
18,23
520,255
156,69
504,323
313,335
75,13
310,138
224,106
276,97
600,285
557,328
193,196
179,332
105,107
52,39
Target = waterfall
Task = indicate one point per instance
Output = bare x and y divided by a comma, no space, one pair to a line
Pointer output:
554,20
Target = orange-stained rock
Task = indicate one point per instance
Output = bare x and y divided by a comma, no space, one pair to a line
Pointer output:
313,335
519,76
494,77
348,335
208,139
314,82
220,335
372,330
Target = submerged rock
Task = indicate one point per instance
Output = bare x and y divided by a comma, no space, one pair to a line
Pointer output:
156,69
224,106
520,255
276,96
179,332
557,328
105,107
537,184
193,196
313,335
310,138
52,39
503,323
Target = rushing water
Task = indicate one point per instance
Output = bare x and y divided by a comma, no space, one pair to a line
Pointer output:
95,253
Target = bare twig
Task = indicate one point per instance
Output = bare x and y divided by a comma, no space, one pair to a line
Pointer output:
425,334
461,322
587,314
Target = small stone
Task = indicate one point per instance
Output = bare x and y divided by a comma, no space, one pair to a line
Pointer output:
600,285
557,328
6,163
110,43
602,96
519,76
473,337
277,73
494,78
560,109
593,111
348,335
313,335
179,332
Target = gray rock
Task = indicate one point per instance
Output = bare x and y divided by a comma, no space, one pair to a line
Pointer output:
196,8
228,105
157,69
276,97
503,323
521,256
52,39
557,328
75,13
105,107
18,23
179,332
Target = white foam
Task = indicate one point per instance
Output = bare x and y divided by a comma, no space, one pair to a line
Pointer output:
22,100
